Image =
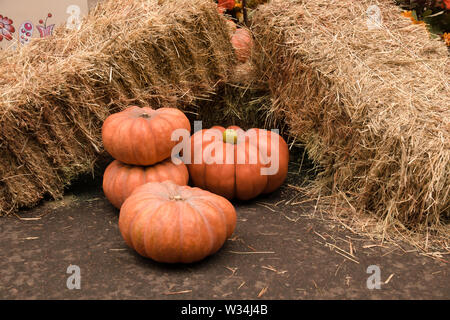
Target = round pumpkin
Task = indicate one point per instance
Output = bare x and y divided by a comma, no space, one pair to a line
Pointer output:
236,164
242,43
175,224
120,179
142,136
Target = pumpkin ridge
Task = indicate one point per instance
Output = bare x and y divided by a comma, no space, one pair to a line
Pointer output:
108,185
206,197
110,121
180,222
126,232
137,126
260,166
143,212
119,181
149,224
154,147
206,223
183,122
131,109
218,209
115,166
125,128
201,146
171,171
108,139
178,114
131,225
159,194
155,144
235,172
182,172
152,197
204,168
155,172
161,116
168,172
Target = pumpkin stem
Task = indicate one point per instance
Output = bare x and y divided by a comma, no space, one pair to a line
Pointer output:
176,198
230,136
145,115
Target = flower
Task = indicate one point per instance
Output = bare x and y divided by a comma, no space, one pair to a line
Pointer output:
238,4
409,14
446,37
226,4
6,28
447,4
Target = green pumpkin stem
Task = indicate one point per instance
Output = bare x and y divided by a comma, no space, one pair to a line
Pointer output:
230,136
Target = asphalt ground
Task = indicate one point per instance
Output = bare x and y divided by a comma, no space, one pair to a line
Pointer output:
277,251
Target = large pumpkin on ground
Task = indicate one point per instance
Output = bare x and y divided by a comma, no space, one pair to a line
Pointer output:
238,164
142,136
120,179
172,224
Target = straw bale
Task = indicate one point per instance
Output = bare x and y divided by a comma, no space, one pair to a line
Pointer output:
56,92
370,104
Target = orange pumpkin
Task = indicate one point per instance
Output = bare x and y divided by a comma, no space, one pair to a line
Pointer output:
242,43
235,164
120,180
172,224
142,136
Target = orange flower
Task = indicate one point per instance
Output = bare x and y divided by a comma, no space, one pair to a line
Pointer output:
226,5
238,4
408,14
446,37
447,4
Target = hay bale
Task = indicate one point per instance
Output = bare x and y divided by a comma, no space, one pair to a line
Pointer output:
372,106
56,92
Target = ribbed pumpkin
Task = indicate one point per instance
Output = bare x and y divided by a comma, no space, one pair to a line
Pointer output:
242,42
120,180
176,224
240,175
142,136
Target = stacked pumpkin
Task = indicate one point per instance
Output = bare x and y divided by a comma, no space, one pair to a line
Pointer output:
160,216
140,141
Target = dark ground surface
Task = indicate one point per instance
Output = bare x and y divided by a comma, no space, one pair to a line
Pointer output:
278,251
